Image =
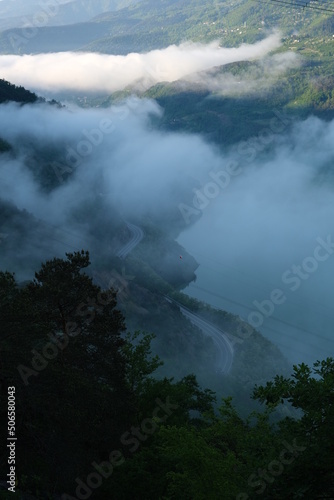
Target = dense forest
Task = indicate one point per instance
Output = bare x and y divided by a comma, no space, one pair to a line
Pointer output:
92,419
10,92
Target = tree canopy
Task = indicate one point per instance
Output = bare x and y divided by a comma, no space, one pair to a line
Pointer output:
93,420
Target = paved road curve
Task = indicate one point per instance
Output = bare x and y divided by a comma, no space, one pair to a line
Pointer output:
220,338
137,236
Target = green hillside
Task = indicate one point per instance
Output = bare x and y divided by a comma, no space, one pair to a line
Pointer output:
150,25
305,89
226,119
62,12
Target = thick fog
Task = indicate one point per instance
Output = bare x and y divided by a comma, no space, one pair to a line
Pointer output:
92,72
113,153
104,165
265,240
256,79
249,216
257,217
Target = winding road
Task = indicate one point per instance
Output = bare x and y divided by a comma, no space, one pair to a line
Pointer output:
137,236
219,337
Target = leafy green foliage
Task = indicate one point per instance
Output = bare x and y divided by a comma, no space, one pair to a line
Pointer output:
98,394
62,342
312,393
139,358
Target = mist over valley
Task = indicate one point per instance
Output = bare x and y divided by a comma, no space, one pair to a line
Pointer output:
167,247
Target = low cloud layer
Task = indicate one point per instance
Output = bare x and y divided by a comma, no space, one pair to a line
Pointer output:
68,71
256,79
112,152
261,233
246,233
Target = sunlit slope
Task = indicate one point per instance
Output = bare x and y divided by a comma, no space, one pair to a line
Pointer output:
150,25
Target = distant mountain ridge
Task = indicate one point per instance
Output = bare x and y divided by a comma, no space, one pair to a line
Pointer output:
56,12
124,26
137,25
